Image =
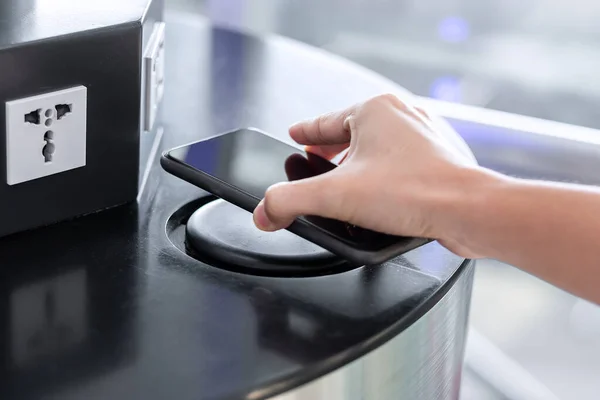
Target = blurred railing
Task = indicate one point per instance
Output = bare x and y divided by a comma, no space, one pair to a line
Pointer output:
523,146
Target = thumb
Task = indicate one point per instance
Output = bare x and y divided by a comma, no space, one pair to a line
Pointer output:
284,202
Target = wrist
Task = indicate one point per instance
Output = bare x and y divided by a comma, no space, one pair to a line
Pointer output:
464,206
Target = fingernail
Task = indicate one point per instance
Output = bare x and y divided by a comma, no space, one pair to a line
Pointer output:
261,220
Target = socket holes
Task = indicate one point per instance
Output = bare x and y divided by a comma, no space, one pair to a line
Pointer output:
25,156
48,122
48,152
33,117
49,148
62,110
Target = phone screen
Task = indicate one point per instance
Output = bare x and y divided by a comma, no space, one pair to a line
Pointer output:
252,161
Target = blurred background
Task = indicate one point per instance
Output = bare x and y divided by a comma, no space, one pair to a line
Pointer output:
539,58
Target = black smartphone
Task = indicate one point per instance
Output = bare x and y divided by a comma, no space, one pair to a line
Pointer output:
239,166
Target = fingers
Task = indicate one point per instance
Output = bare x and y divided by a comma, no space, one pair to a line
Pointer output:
327,152
318,165
286,201
330,133
327,129
460,250
297,167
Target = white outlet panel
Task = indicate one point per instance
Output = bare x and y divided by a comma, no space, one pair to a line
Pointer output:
154,64
46,134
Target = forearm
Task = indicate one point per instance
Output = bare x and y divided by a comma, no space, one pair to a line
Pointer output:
549,230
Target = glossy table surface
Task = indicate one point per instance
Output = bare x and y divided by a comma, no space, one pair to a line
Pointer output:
105,306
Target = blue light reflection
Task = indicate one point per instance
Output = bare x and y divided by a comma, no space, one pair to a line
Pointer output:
454,29
446,88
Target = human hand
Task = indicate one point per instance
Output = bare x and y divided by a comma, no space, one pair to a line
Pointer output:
398,173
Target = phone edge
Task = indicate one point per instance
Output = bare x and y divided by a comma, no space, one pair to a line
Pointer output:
302,228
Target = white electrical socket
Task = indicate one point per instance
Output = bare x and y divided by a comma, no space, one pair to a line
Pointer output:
154,64
46,134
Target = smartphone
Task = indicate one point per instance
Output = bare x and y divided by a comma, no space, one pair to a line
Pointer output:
239,166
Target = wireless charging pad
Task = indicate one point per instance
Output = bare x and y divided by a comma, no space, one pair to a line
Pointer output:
227,234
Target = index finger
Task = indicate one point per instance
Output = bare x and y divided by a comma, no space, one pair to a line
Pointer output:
328,152
327,129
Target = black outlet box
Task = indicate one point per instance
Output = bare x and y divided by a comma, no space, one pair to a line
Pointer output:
101,46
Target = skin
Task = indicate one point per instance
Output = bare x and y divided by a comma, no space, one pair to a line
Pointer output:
403,174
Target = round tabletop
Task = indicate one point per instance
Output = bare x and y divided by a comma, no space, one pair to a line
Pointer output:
106,306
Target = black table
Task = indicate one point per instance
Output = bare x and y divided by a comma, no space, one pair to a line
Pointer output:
110,306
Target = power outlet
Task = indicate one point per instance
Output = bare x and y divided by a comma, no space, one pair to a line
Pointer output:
154,64
46,134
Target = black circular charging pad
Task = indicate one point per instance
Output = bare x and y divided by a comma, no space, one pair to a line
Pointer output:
227,234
